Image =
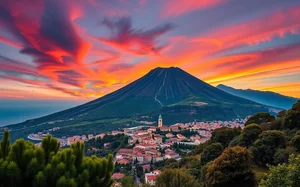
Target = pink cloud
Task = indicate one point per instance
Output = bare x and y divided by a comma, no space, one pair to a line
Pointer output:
173,8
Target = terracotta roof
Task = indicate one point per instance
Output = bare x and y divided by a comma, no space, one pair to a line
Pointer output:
117,175
151,177
125,151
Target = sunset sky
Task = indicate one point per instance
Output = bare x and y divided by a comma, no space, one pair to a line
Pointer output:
84,49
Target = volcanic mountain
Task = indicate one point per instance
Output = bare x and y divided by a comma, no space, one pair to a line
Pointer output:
264,97
172,92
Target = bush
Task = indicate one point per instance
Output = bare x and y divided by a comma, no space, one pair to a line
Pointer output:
266,145
211,152
296,142
284,174
224,135
259,118
232,168
176,178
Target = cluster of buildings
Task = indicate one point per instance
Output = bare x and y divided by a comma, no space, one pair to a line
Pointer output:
151,145
83,138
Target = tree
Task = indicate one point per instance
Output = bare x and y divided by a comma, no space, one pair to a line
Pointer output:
176,178
284,174
171,163
224,135
265,147
259,118
127,181
282,155
291,119
211,152
5,145
25,165
50,146
232,168
78,149
248,136
296,142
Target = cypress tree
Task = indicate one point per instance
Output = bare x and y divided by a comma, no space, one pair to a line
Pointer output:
5,145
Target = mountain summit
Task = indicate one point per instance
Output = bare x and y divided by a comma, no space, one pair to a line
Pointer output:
177,95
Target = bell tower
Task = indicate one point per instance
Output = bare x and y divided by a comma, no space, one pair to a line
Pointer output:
160,123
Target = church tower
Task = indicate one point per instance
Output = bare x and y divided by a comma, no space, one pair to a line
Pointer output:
160,121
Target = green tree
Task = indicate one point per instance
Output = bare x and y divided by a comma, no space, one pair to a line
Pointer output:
284,175
176,178
127,181
265,147
296,142
232,168
5,145
248,136
282,155
171,163
25,165
259,118
50,146
211,152
224,135
291,119
78,149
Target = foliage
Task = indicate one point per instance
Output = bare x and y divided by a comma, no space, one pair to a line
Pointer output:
192,164
224,135
231,168
171,163
211,152
29,165
248,136
127,181
287,174
199,149
296,142
282,155
96,146
260,172
265,147
5,145
176,178
203,174
291,118
259,118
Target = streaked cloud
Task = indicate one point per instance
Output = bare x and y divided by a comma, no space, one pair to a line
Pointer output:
86,49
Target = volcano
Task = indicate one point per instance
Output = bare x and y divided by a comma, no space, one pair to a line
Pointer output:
172,92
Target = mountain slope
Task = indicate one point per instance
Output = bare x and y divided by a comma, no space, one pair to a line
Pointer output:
177,95
264,97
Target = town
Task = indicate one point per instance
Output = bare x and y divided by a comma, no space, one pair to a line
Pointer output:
147,145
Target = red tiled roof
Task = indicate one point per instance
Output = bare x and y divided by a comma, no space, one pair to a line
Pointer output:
151,177
117,175
125,151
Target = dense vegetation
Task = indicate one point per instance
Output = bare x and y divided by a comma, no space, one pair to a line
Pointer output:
24,164
265,153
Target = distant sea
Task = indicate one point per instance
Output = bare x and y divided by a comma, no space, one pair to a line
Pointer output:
16,111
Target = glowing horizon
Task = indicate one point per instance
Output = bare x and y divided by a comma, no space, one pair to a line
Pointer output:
84,49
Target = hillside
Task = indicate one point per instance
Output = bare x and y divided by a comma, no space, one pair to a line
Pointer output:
177,95
263,97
